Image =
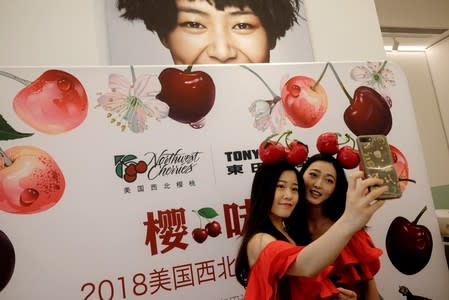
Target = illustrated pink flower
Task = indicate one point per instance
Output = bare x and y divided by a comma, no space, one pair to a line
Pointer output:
268,113
377,76
133,104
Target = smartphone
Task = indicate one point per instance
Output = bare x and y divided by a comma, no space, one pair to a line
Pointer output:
376,161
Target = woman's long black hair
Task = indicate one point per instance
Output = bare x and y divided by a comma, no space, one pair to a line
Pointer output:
333,207
258,217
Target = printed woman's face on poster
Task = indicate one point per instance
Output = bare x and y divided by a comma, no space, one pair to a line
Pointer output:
205,35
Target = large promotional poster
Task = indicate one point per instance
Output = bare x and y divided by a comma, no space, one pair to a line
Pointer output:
133,182
201,32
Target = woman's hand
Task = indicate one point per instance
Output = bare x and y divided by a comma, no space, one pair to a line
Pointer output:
361,203
346,294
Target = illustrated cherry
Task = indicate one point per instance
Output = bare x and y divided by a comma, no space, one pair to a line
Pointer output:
296,152
54,103
401,167
141,166
368,112
409,245
131,170
394,155
129,178
213,228
304,101
30,180
348,157
199,235
189,94
7,261
327,143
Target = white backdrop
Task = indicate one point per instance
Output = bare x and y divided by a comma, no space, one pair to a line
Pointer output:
98,241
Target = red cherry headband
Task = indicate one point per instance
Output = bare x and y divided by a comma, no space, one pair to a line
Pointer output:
296,152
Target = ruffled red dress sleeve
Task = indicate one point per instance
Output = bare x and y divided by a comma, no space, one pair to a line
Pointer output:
359,261
272,265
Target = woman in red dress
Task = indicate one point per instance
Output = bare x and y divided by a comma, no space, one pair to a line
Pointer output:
269,264
325,194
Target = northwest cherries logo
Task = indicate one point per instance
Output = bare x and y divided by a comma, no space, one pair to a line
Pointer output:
164,163
127,168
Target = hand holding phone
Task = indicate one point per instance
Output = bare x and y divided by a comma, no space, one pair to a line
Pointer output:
377,161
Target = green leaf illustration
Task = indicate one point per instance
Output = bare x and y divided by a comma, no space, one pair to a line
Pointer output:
120,160
119,170
207,212
9,133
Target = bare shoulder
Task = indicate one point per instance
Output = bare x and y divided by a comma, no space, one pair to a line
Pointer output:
256,244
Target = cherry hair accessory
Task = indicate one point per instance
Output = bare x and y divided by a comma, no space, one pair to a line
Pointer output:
347,156
273,151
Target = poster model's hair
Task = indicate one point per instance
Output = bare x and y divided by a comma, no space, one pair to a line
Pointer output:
160,16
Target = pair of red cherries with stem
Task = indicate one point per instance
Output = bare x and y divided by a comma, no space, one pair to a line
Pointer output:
296,152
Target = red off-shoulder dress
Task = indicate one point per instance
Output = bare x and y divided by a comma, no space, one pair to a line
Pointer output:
358,262
272,264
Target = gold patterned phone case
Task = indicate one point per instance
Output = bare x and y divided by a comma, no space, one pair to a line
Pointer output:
376,161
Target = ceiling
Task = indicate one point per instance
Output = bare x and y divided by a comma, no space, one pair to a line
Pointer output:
420,23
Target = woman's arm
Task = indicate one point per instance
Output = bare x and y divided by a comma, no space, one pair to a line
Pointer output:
371,292
361,204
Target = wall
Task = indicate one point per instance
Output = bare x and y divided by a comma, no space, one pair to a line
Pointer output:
424,14
427,110
438,60
52,32
334,35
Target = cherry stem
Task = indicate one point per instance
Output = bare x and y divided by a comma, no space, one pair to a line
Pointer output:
419,215
341,84
270,137
382,67
346,141
263,81
321,77
189,68
16,78
407,179
287,134
7,162
133,74
350,138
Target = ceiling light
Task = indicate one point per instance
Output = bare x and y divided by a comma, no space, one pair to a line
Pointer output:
412,48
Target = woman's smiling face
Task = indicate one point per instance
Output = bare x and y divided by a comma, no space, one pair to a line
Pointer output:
320,180
206,35
286,195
